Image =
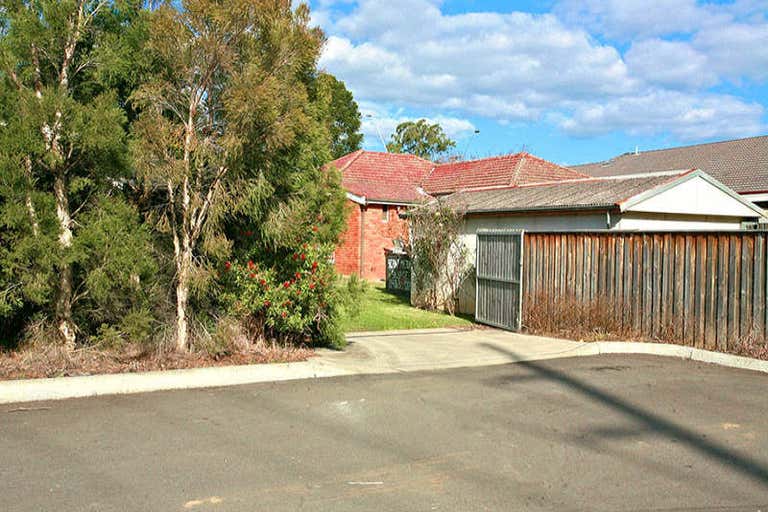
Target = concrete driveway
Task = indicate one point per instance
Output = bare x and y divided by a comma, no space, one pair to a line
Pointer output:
438,349
588,433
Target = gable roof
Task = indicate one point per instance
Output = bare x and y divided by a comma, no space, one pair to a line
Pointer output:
739,164
609,193
501,171
388,177
407,179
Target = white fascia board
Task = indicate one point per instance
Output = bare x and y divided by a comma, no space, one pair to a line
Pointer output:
763,196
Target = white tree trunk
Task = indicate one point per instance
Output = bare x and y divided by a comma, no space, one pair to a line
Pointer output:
64,301
184,269
28,197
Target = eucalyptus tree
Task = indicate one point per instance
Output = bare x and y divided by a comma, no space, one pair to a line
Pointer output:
62,139
219,119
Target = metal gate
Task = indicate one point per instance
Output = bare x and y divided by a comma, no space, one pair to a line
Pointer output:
499,278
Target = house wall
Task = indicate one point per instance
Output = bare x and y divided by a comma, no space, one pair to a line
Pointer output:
695,196
347,255
641,221
378,236
378,233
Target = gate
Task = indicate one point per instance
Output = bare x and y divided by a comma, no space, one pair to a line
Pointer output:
499,278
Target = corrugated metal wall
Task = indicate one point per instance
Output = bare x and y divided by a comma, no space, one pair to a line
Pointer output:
706,289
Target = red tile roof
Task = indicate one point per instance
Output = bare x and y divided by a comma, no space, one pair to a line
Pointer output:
384,176
501,171
403,178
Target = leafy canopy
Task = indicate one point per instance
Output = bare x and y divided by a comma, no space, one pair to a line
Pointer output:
421,139
342,117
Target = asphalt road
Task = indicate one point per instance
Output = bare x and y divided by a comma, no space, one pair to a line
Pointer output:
593,433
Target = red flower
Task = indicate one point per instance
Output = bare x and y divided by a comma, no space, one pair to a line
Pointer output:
284,314
287,284
250,264
314,265
298,275
298,292
303,257
227,265
314,228
295,257
267,303
252,275
311,286
263,282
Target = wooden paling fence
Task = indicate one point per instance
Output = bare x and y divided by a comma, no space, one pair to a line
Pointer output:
704,289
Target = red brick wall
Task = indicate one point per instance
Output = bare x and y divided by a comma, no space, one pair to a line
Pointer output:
378,235
348,253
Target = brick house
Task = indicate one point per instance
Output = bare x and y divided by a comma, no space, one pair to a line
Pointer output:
380,186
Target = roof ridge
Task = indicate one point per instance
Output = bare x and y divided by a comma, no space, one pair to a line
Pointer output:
569,169
351,160
516,173
496,157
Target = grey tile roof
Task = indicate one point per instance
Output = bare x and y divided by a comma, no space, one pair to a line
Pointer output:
742,164
599,193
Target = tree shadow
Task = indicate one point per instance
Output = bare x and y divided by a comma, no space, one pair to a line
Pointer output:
741,463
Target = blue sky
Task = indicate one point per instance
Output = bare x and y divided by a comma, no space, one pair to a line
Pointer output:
569,80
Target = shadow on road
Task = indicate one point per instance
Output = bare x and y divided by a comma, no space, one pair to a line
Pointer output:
712,450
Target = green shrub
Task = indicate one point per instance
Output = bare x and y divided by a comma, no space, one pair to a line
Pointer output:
296,297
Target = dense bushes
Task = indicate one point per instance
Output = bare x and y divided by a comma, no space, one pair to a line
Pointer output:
129,177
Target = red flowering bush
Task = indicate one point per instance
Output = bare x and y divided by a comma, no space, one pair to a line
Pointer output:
294,297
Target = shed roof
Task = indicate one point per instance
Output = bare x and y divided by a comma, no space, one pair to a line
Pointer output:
610,193
739,164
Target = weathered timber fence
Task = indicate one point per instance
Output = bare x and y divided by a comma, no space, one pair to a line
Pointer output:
704,289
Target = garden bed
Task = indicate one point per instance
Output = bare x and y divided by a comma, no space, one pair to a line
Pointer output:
54,361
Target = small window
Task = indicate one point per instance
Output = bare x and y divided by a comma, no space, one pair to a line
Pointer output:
385,213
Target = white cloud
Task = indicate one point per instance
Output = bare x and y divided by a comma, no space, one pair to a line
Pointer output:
686,116
509,67
736,50
380,122
524,67
670,63
626,19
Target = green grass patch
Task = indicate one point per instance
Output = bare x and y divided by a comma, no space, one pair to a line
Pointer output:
381,310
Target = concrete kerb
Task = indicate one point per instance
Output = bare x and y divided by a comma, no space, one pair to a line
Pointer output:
31,390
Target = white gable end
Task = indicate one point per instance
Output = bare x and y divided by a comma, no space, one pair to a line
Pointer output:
695,196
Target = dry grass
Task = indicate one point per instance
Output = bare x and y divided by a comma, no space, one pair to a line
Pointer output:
599,321
38,358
